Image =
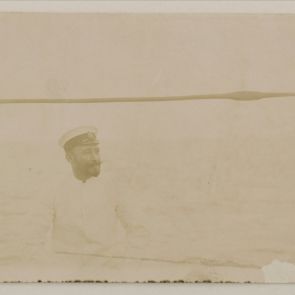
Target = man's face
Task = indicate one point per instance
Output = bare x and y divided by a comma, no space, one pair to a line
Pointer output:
85,160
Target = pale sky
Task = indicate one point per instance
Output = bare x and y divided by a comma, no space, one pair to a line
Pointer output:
96,55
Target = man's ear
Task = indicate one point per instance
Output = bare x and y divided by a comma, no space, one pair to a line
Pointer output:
69,156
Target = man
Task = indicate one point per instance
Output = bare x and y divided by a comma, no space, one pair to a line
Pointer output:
88,220
82,152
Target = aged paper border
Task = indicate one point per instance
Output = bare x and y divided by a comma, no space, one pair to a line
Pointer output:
280,7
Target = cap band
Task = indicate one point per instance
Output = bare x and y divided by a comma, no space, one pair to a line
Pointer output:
82,139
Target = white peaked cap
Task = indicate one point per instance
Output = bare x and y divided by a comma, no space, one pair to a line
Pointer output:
80,135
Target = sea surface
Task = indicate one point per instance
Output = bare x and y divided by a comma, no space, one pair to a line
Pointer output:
215,210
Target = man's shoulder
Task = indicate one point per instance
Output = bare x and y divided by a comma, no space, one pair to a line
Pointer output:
66,189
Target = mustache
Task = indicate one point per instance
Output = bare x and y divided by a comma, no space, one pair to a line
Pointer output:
95,163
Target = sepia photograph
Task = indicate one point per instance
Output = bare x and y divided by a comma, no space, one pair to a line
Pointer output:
147,148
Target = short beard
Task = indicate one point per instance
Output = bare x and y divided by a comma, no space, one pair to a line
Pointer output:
86,172
93,170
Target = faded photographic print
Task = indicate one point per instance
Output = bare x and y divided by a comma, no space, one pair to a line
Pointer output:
147,148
